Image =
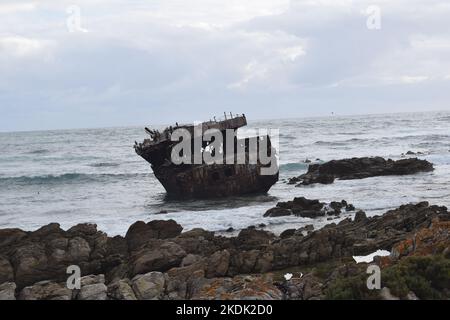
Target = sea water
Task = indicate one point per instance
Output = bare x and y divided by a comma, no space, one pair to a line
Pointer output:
95,176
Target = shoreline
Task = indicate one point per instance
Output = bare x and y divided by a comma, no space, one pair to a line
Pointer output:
156,260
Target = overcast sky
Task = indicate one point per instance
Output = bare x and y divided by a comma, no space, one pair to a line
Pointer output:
129,62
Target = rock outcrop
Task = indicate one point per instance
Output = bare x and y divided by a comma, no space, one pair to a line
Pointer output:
359,168
160,262
306,208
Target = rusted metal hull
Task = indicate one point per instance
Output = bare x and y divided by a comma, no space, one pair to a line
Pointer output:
210,181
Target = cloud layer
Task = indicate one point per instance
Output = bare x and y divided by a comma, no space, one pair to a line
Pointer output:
112,63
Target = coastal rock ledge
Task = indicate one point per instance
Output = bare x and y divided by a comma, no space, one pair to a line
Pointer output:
156,260
359,168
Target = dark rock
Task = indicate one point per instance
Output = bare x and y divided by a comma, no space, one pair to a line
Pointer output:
6,270
92,288
149,286
277,212
287,233
8,237
83,229
7,291
359,168
183,283
140,232
249,239
360,216
217,264
157,256
46,290
121,290
165,229
307,208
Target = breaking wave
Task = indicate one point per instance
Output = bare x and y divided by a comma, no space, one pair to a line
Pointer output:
39,151
294,166
68,178
104,164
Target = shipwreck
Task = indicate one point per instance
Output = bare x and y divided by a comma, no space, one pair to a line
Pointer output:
242,170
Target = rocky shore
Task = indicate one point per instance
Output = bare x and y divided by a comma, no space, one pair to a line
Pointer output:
359,168
157,260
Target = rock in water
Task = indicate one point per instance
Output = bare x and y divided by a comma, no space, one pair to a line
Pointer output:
359,168
306,208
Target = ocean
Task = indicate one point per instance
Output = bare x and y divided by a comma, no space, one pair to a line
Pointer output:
95,176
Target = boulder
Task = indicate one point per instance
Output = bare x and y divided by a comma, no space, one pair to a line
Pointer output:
8,237
149,286
251,238
190,259
158,256
359,168
183,282
307,208
217,264
277,212
30,264
79,249
6,270
92,288
7,291
46,290
239,288
121,290
140,232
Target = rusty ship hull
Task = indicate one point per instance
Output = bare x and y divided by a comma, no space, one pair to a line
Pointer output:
206,180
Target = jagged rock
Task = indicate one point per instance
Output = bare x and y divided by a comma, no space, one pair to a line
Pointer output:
218,263
30,264
182,283
140,232
307,208
46,290
385,294
359,168
79,249
287,233
308,287
277,212
6,270
121,290
413,229
360,216
239,288
9,237
157,256
7,291
48,230
200,242
92,288
190,259
83,229
253,239
149,286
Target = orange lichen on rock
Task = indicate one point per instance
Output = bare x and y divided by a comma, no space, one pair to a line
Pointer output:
432,240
